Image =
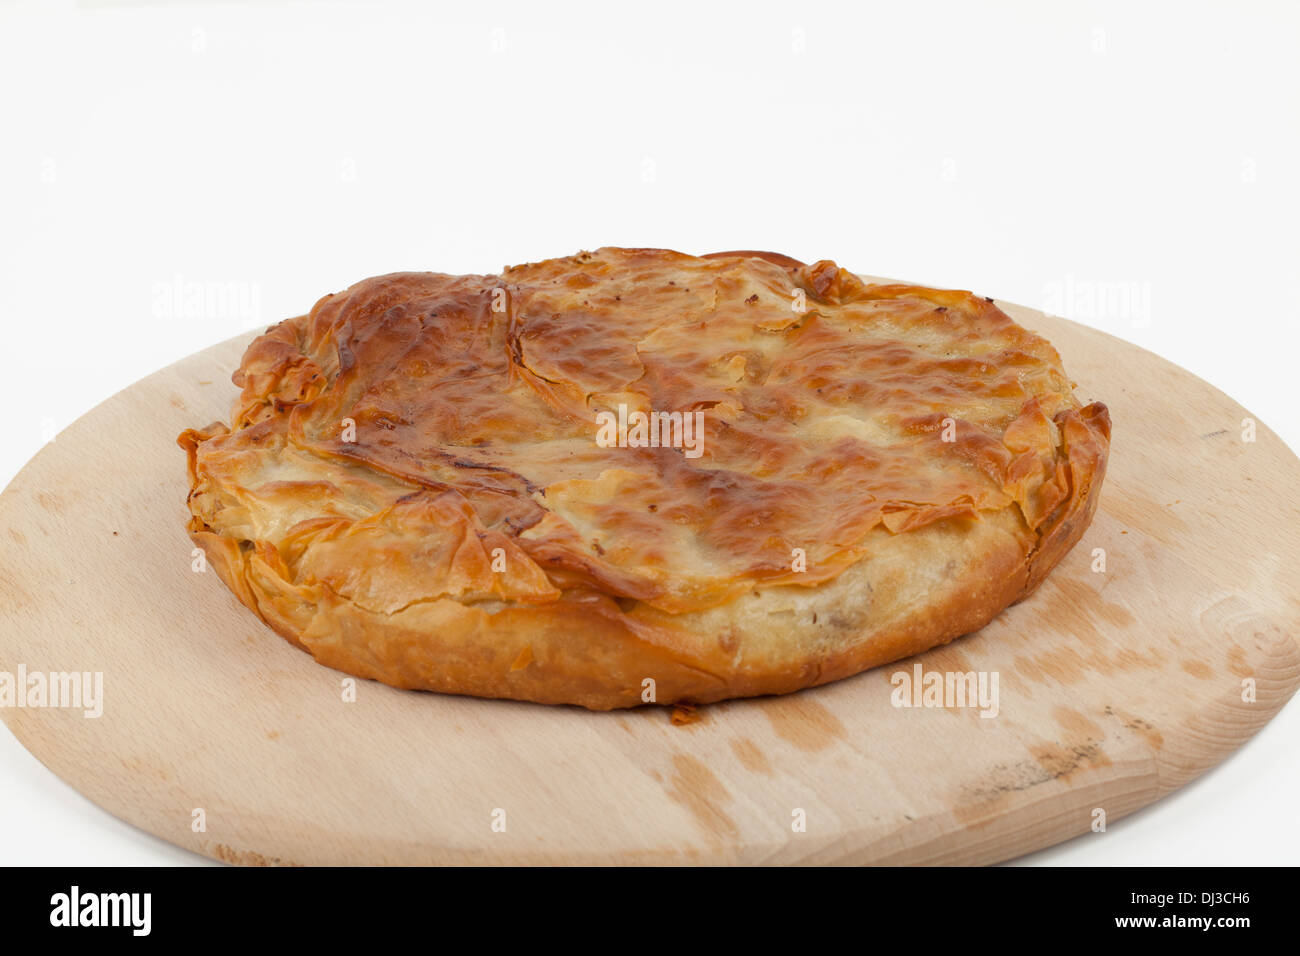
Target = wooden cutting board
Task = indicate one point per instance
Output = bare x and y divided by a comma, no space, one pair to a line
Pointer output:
1115,687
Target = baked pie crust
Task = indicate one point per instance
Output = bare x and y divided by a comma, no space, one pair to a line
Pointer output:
411,487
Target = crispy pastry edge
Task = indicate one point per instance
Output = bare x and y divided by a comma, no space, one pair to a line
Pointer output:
586,650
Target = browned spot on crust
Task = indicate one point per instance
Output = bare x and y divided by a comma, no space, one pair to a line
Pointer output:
178,402
1198,669
750,757
273,735
17,535
50,501
684,714
524,659
694,786
803,722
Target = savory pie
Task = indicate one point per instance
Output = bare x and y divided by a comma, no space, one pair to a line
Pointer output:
634,475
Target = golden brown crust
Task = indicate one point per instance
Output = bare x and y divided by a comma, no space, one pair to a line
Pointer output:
412,489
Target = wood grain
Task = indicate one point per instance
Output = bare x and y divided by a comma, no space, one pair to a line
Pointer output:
1115,687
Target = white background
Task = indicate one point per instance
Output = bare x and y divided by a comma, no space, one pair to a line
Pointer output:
1129,165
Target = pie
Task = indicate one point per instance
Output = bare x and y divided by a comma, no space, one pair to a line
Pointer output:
634,475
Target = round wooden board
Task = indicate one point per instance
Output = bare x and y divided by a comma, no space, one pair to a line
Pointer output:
1116,687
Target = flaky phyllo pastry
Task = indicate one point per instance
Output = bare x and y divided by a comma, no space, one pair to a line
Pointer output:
448,483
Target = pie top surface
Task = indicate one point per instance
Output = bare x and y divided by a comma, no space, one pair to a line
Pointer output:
830,408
